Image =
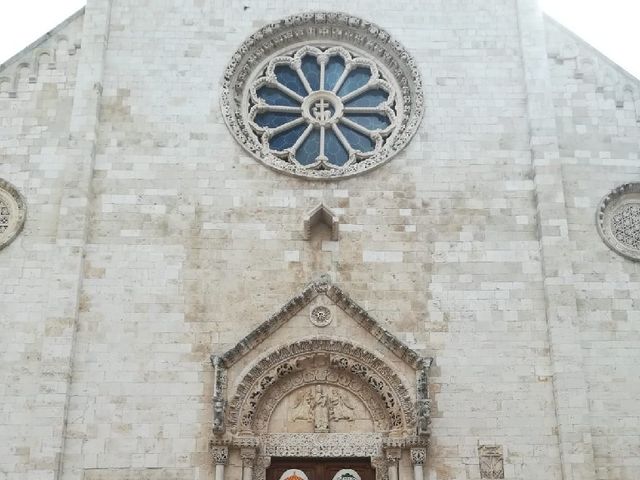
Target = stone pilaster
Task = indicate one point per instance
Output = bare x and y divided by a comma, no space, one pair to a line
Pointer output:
569,382
75,203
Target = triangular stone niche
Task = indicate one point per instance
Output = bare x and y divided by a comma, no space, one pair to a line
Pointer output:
320,377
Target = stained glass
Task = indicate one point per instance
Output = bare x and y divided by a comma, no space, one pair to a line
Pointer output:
334,149
357,78
287,139
371,121
288,77
273,96
275,119
357,140
311,71
322,128
371,98
333,72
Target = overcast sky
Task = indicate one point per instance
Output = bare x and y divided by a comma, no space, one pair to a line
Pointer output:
609,25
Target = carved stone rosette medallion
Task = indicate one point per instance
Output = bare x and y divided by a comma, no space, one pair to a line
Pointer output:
321,316
12,213
322,95
618,220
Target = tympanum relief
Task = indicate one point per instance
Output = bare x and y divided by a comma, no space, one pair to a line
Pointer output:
321,409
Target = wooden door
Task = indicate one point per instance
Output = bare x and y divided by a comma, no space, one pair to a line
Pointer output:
320,468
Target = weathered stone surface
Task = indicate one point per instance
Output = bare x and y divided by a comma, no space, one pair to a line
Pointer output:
154,240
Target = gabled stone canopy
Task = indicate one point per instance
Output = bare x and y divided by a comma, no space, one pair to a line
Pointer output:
342,300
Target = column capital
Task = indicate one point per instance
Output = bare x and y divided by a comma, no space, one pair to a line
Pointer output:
418,456
248,455
220,454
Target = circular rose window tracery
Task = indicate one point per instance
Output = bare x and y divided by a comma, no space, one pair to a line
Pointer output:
12,213
322,95
618,220
322,109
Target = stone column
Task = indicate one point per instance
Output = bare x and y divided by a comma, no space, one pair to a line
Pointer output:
393,458
220,457
248,456
418,457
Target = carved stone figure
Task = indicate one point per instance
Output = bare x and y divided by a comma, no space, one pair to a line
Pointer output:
341,407
321,412
303,409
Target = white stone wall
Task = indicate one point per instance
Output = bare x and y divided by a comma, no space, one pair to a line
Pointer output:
598,117
166,242
36,281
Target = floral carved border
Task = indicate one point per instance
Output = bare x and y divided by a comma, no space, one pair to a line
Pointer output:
333,29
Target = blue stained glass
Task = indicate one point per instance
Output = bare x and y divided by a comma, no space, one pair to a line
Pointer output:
290,79
333,71
286,139
370,98
273,96
311,70
357,140
357,78
310,148
372,121
334,150
275,119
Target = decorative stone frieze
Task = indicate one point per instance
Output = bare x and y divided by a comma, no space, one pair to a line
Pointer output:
322,445
618,220
491,462
13,211
307,97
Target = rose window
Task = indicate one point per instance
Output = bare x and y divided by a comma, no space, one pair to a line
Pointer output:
618,220
12,213
322,109
322,95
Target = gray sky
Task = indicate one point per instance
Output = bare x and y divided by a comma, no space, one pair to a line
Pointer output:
609,25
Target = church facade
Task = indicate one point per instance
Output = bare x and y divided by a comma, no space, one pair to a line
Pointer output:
318,240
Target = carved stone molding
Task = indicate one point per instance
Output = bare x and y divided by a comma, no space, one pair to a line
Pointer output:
280,40
345,303
13,211
491,462
322,444
618,220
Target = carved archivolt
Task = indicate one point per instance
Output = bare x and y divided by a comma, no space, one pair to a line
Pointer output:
299,64
321,361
